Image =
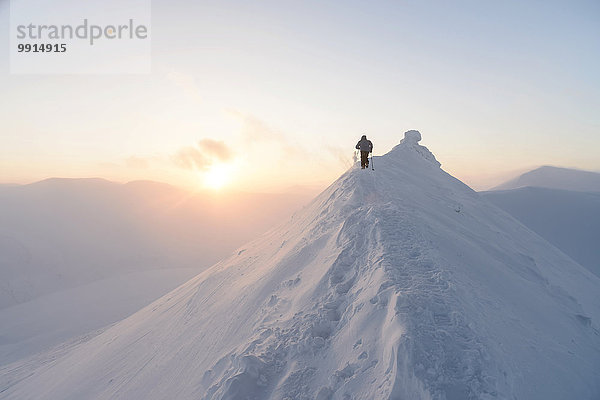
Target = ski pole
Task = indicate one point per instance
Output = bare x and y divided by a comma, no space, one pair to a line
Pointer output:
372,166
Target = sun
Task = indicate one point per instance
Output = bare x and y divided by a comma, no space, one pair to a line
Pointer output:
217,176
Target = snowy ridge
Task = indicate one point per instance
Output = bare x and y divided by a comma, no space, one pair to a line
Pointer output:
398,283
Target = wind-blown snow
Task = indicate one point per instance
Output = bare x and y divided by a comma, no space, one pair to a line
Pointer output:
398,283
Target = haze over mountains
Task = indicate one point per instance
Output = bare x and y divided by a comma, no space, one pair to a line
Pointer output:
561,205
569,220
555,178
78,254
395,283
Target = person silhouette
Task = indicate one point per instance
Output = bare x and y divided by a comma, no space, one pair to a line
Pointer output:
365,146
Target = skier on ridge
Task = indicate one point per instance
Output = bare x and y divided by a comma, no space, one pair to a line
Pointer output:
365,146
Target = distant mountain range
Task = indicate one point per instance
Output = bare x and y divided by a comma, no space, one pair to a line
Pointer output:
555,178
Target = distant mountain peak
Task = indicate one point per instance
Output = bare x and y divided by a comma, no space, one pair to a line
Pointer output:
555,178
74,181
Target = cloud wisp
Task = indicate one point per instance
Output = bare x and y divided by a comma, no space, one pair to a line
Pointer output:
256,132
204,154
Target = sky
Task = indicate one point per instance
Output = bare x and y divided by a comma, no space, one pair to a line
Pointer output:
273,95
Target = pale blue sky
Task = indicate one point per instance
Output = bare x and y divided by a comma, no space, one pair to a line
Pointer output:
494,87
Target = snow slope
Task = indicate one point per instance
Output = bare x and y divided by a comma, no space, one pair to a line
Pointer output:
568,219
398,283
39,324
555,178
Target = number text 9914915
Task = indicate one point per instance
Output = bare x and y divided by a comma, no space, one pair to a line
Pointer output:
41,47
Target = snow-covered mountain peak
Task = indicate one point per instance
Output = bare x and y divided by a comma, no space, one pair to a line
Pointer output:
411,136
394,283
410,144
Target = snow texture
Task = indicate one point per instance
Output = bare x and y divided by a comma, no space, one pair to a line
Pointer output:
398,283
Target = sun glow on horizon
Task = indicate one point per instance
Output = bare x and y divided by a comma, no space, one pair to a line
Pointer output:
217,176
